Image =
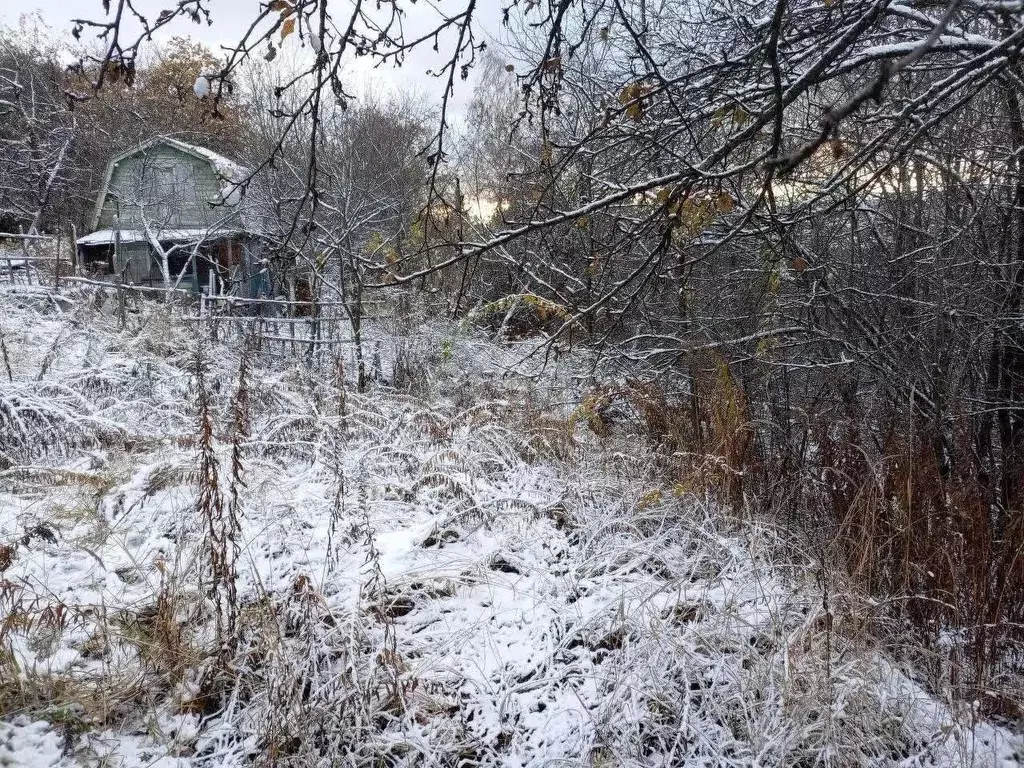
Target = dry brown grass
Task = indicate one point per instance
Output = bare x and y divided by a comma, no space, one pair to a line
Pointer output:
922,539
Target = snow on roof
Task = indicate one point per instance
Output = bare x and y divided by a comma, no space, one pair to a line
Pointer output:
231,173
225,167
108,236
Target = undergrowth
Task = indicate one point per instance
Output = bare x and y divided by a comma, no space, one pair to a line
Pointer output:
222,556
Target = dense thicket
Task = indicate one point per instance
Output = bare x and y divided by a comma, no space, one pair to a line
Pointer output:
805,220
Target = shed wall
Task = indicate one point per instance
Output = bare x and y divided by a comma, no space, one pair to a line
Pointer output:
163,187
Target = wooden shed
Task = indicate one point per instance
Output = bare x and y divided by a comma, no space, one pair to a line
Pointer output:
171,214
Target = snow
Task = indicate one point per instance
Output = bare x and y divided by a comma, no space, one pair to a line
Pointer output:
950,42
461,575
201,87
231,194
108,236
232,174
25,743
225,167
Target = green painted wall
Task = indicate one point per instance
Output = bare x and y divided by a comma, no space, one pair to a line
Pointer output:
134,256
165,187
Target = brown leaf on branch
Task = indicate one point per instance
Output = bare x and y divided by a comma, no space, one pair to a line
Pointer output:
554,64
287,28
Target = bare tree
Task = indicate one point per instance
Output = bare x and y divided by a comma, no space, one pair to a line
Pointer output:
37,130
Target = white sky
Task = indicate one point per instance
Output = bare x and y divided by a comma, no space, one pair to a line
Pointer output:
232,17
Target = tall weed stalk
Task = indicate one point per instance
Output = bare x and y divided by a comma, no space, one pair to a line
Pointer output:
219,517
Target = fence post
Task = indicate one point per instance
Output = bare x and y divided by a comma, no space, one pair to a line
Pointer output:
28,259
10,268
120,302
291,311
56,264
74,250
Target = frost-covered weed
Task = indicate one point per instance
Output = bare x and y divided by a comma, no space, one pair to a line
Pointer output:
477,579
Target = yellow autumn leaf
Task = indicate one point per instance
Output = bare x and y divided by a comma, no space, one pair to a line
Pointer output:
631,97
650,498
738,114
693,215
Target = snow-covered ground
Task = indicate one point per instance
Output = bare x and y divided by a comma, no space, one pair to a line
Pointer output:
464,577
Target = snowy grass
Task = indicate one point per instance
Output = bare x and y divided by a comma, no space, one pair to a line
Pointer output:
463,577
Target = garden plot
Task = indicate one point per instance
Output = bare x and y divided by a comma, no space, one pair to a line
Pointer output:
448,579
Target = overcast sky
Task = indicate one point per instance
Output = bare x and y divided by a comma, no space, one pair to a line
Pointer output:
232,17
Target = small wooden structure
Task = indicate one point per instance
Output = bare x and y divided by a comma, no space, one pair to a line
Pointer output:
173,214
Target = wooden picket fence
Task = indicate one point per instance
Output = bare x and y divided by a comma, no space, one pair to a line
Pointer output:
284,325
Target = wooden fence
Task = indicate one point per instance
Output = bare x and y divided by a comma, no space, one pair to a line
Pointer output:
275,324
20,260
284,325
